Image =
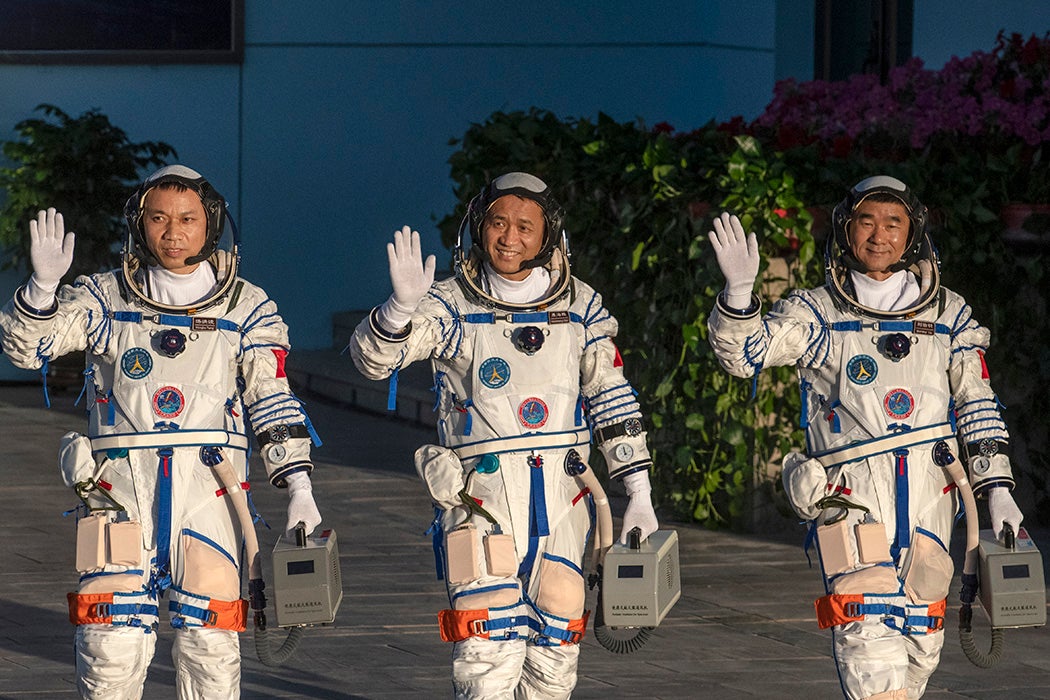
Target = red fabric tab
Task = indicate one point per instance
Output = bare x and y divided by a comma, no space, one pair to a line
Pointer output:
617,361
245,486
984,366
280,354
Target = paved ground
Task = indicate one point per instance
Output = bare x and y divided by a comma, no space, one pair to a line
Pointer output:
744,627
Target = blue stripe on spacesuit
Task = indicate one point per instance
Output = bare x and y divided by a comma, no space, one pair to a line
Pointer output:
99,574
250,323
268,408
437,540
901,539
485,589
960,324
754,350
804,386
597,317
932,536
562,560
164,510
591,312
103,331
980,418
968,348
822,339
169,320
180,611
128,609
538,526
263,346
897,326
505,623
595,339
111,412
391,392
453,333
612,403
469,423
890,613
210,542
836,424
530,317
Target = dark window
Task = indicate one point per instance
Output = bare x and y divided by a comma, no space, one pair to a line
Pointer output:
121,31
300,567
1015,571
635,571
861,36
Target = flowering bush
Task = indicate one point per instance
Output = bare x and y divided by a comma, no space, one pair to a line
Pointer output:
999,94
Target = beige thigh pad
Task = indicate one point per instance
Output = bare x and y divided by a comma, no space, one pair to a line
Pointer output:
207,571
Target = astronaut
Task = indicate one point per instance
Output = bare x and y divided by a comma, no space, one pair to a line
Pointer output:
184,360
525,371
889,362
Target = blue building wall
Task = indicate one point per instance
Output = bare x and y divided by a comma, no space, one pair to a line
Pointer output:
335,129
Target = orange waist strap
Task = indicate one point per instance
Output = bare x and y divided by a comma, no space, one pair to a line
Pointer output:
90,609
228,615
839,609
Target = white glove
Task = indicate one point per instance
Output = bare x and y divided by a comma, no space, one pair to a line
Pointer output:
738,259
301,506
1003,508
51,253
639,511
410,277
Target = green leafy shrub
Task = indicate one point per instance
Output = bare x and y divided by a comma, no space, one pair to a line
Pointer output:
639,205
83,166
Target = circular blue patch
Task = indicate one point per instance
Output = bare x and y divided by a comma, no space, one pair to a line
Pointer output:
136,363
899,403
862,369
494,372
532,412
168,402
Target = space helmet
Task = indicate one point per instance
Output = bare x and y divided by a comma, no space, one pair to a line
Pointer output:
221,244
470,255
919,256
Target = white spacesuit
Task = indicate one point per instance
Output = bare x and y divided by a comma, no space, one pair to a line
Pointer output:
524,369
179,366
887,368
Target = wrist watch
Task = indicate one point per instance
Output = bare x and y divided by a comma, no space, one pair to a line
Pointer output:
987,447
281,433
630,426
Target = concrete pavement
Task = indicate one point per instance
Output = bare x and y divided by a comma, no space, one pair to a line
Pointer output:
744,627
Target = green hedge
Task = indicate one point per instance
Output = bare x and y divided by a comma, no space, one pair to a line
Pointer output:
639,205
